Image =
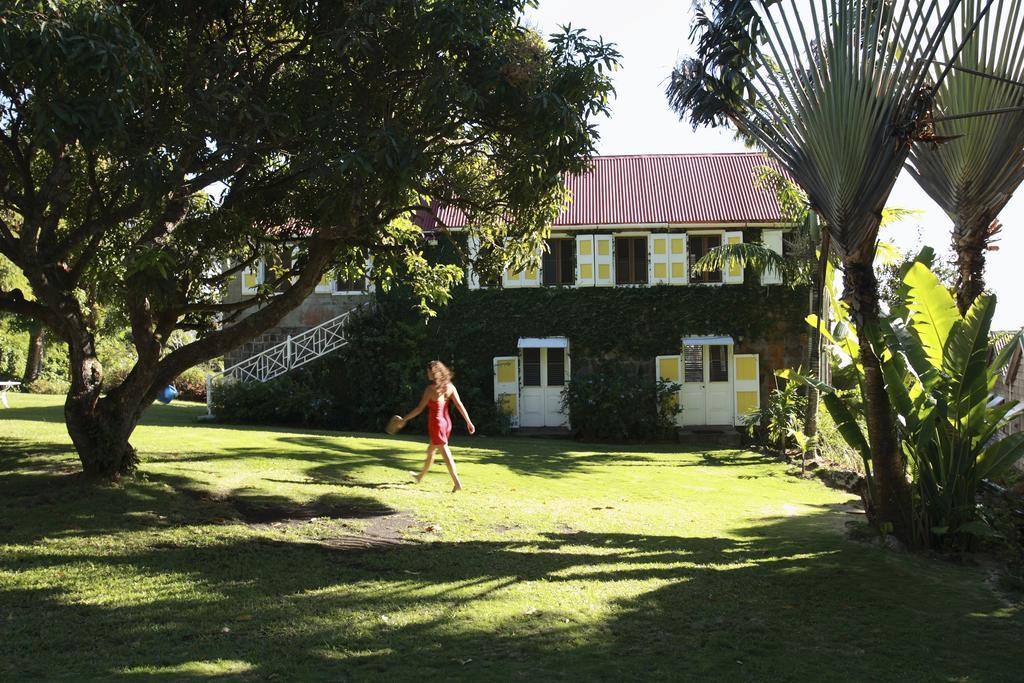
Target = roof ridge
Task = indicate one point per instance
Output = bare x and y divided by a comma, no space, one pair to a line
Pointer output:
677,155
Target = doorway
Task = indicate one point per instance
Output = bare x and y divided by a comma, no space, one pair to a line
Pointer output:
707,393
544,375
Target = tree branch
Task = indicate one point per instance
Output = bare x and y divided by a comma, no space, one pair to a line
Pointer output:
321,253
15,302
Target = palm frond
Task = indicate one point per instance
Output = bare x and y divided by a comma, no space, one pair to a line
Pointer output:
973,174
757,257
833,89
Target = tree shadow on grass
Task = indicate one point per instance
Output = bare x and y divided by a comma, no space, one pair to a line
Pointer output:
784,599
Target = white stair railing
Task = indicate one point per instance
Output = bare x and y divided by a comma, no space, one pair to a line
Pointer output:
314,343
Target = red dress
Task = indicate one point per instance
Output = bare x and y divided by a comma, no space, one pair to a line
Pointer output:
439,424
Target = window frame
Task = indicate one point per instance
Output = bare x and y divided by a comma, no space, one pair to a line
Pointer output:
701,235
555,254
635,271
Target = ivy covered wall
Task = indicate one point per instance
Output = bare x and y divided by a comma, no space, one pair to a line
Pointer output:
381,371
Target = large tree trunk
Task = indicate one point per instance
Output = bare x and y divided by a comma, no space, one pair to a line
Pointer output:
101,427
890,504
98,427
36,345
970,243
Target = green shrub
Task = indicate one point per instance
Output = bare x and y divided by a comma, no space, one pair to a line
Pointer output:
781,415
191,385
13,351
114,375
939,371
614,404
45,385
832,448
296,399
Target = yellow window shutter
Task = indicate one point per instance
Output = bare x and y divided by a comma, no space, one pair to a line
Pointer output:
733,274
512,278
252,277
746,385
659,258
506,387
679,271
669,369
603,246
584,260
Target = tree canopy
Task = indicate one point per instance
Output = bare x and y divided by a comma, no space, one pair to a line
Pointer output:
151,151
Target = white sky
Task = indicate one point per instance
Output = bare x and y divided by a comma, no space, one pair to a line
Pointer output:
652,35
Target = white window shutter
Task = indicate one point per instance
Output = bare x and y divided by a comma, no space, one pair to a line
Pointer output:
370,287
506,387
773,240
658,257
670,369
585,261
746,385
604,250
473,246
252,278
732,273
678,259
293,256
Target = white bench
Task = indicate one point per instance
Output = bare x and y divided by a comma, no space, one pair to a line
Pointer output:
4,386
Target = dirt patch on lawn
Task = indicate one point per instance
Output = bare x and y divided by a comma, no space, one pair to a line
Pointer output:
383,526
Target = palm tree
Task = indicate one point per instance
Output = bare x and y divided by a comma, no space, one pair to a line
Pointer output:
975,172
836,91
806,265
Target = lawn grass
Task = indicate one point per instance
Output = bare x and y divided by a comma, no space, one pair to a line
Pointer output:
559,561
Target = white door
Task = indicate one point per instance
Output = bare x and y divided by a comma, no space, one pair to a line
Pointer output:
545,372
707,385
719,391
694,385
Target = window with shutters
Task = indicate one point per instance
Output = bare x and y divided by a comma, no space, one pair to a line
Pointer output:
631,260
556,367
699,246
718,363
531,367
558,263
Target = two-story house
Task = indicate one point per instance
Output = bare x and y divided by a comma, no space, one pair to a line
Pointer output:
634,222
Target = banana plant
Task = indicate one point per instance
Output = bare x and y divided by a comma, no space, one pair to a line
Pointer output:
940,377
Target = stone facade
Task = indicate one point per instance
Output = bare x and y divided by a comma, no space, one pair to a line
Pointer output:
316,309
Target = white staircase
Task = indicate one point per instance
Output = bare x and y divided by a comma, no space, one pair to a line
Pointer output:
314,343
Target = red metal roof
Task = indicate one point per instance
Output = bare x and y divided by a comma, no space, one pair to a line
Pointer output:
661,188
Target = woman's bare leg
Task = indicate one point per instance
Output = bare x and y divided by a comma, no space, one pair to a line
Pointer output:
427,463
450,462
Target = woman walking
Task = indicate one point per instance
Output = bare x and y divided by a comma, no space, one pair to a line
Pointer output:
439,421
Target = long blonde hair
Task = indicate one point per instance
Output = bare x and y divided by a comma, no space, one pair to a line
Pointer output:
446,374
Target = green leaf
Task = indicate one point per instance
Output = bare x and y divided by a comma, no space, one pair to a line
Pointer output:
1000,456
978,528
848,426
933,311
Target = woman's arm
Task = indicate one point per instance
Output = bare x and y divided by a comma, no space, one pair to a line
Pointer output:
462,409
419,409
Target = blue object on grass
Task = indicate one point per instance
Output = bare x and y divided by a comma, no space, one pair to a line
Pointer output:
167,394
